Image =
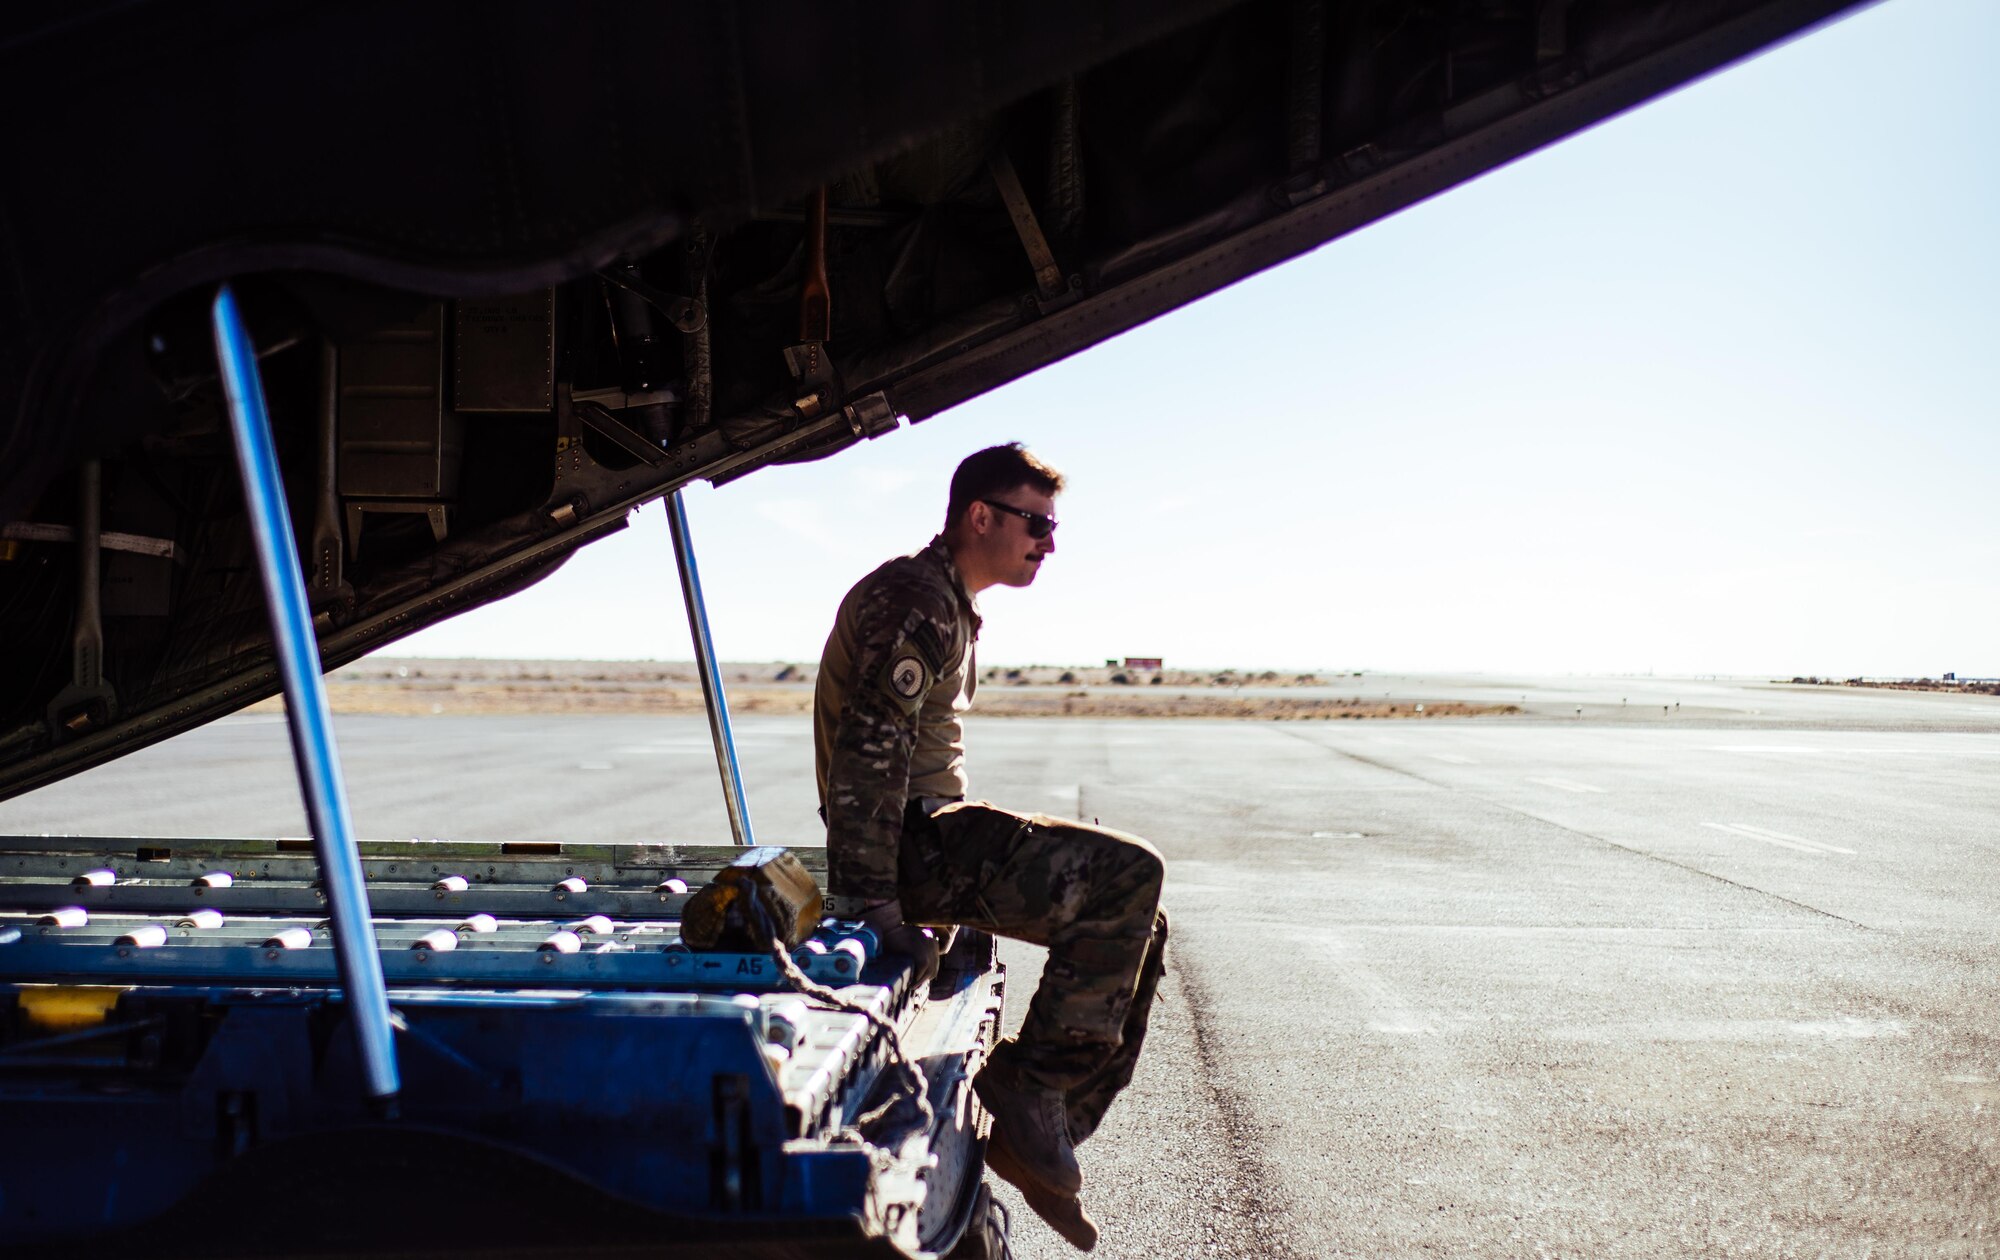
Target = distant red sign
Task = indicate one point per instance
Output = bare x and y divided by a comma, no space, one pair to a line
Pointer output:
1142,662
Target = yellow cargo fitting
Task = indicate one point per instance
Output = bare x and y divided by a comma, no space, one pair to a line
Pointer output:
62,1007
787,904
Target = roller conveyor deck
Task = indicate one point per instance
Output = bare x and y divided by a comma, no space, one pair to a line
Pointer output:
553,1036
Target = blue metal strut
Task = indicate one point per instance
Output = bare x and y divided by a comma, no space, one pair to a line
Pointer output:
711,674
318,760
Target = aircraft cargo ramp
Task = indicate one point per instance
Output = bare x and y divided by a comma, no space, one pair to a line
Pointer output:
562,1054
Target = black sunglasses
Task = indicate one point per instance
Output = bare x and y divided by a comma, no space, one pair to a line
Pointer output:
1039,526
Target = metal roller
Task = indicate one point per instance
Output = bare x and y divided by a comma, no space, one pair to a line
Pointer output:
438,941
563,941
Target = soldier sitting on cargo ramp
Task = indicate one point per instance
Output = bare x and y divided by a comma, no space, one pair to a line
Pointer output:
904,846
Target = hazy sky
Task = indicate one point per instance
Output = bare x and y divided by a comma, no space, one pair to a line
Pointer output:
1705,389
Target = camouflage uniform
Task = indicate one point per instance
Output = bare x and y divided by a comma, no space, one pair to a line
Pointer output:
898,673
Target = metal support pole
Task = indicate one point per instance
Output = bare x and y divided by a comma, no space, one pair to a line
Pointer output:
88,702
88,663
313,750
711,674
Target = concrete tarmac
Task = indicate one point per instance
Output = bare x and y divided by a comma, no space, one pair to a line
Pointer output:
1644,981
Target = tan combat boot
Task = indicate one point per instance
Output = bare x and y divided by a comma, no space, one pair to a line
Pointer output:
1064,1213
1032,1124
1031,1149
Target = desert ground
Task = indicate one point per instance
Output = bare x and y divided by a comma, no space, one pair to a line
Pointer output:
468,688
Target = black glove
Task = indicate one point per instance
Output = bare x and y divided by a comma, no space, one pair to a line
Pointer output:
907,939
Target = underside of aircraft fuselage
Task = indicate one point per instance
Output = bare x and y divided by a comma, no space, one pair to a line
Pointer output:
507,277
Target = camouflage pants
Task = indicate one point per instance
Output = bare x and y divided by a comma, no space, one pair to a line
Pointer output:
1091,895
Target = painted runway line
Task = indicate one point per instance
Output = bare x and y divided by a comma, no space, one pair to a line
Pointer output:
1566,785
1938,749
1767,748
1778,838
1375,1001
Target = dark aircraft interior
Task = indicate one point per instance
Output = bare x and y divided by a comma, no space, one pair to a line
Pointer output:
513,269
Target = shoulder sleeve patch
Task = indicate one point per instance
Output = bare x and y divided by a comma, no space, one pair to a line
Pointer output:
907,678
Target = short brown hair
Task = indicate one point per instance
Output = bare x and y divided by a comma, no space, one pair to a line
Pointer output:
996,470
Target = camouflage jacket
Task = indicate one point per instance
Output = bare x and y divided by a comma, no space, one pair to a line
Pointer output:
896,676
